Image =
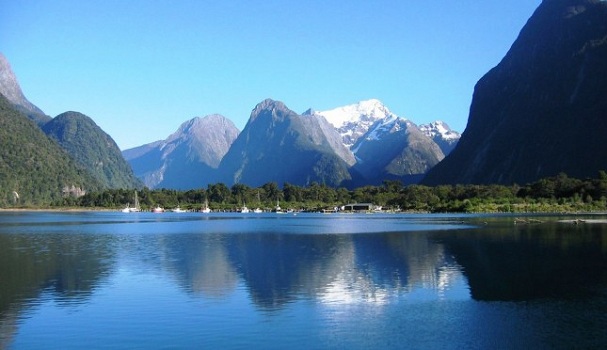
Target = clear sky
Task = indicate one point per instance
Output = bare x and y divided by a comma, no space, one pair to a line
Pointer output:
141,68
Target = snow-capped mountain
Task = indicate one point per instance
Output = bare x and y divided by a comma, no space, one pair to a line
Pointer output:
395,148
353,121
387,146
442,134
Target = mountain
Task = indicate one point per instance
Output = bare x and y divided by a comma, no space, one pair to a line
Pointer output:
353,121
35,170
442,134
395,148
278,145
188,158
92,148
9,87
543,109
385,146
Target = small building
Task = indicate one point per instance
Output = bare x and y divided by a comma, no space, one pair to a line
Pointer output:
359,207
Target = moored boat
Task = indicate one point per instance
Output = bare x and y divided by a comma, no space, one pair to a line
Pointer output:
178,210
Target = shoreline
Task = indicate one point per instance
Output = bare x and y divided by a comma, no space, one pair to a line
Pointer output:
75,210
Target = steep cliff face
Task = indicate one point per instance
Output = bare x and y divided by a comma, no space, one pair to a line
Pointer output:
9,87
543,109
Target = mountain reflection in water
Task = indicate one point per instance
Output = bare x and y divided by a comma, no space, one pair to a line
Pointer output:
388,261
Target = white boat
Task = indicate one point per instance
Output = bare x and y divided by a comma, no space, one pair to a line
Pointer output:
178,210
205,209
257,210
245,210
278,209
158,209
134,209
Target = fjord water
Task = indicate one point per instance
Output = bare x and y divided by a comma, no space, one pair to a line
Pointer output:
97,280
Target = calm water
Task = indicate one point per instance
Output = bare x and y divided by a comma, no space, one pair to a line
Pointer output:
199,281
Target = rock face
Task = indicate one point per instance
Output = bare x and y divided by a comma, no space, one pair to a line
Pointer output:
279,145
188,158
92,148
543,109
9,87
395,148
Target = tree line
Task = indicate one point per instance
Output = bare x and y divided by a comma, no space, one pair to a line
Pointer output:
553,194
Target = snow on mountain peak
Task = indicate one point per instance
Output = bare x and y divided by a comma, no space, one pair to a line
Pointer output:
367,110
353,121
440,129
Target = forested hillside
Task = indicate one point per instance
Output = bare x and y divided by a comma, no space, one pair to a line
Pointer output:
92,148
34,170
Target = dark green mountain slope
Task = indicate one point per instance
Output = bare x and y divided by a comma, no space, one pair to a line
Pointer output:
543,109
92,148
34,170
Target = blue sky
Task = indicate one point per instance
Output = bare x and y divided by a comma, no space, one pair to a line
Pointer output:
141,68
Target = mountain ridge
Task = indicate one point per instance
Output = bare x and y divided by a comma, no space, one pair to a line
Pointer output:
187,158
279,145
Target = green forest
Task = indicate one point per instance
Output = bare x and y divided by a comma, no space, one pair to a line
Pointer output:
555,194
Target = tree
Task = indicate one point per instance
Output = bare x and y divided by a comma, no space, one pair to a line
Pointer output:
292,193
272,191
218,193
239,193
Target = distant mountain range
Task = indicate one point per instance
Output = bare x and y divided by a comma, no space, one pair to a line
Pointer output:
543,109
539,112
355,145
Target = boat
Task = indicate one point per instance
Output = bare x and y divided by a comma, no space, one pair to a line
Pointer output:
278,209
245,210
205,209
134,209
178,210
158,209
258,210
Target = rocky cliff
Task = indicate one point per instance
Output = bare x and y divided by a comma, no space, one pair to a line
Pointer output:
543,109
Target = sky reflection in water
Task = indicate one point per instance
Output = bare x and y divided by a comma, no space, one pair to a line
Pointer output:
189,281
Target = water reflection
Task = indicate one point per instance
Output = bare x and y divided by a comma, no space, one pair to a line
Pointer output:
67,259
66,268
510,262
